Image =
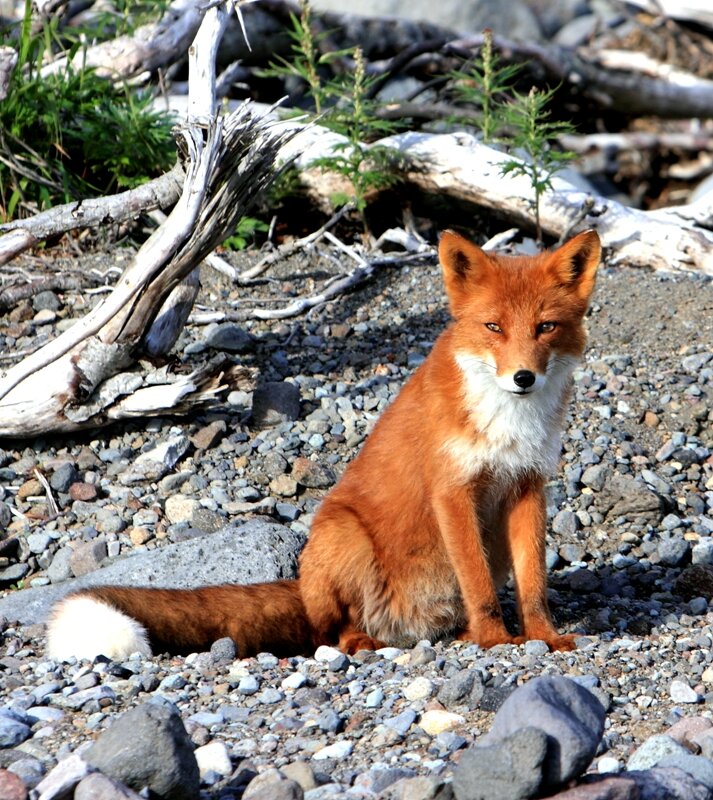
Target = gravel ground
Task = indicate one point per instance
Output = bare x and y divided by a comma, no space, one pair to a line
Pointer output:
630,549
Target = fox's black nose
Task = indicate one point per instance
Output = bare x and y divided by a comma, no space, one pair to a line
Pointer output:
524,378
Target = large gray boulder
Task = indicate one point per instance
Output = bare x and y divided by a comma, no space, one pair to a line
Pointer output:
249,552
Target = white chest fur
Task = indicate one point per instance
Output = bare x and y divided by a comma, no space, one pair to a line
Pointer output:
515,434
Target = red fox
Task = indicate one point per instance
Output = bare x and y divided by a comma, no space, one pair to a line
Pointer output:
444,500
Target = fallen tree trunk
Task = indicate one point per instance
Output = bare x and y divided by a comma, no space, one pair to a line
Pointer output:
22,234
458,165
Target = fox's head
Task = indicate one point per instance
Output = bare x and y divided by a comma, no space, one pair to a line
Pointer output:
519,320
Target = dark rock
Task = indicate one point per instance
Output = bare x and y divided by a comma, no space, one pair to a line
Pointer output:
493,697
508,770
569,714
230,338
63,477
46,300
463,688
274,403
695,581
312,474
148,747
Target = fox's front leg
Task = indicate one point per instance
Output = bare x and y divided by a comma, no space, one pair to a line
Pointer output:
525,525
462,536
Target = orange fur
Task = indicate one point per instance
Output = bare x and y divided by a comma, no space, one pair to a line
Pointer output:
446,497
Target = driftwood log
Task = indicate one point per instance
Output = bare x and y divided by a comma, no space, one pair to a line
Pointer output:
458,165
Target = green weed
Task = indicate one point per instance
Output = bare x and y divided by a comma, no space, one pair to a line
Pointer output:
532,132
73,134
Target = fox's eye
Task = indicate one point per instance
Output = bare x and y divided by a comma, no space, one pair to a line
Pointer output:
494,327
546,327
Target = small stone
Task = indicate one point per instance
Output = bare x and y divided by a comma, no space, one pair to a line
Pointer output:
209,435
686,729
419,689
62,779
38,542
681,692
85,492
270,696
376,697
566,523
284,485
230,338
213,757
401,723
223,650
674,551
13,732
101,787
337,750
46,300
536,647
301,773
63,477
12,787
595,477
30,488
274,403
607,764
293,681
435,721
272,785
312,474
248,685
139,535
325,653
653,750
180,508
87,557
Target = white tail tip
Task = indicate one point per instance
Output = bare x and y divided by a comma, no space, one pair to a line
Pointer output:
83,627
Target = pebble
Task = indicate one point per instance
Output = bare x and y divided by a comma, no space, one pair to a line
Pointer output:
337,750
681,692
435,721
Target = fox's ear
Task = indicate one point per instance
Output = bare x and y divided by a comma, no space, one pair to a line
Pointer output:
575,263
464,266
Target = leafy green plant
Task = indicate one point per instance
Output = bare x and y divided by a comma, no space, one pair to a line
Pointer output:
73,133
354,116
245,233
532,132
485,83
342,104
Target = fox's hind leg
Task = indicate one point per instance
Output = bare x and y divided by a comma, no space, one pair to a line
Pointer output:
342,585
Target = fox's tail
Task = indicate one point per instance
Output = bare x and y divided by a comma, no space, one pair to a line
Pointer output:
116,621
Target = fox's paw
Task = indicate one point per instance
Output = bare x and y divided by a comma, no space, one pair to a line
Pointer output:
486,640
354,642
